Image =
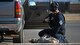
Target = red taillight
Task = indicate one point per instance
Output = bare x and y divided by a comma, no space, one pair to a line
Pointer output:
18,10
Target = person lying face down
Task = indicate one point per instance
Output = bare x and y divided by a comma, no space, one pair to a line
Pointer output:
45,39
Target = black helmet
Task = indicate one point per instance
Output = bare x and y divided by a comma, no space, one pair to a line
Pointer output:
54,6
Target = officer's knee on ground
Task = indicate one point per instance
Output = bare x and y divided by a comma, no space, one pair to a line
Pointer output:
45,31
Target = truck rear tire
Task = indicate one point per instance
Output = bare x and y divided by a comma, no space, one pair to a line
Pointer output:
16,39
19,38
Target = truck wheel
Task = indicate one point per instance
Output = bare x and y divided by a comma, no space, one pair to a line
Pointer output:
19,38
16,39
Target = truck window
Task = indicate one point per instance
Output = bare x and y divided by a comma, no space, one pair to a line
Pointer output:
32,3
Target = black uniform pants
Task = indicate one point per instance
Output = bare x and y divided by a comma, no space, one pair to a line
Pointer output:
60,37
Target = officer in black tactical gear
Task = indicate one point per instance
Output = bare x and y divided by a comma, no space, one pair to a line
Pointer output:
56,21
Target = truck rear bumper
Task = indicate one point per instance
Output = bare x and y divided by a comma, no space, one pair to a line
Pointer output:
8,20
9,26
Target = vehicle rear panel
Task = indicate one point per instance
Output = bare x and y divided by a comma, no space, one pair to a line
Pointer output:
7,15
7,9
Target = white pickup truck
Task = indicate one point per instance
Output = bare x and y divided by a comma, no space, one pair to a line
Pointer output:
11,20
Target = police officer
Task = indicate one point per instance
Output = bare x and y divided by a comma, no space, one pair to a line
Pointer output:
56,21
